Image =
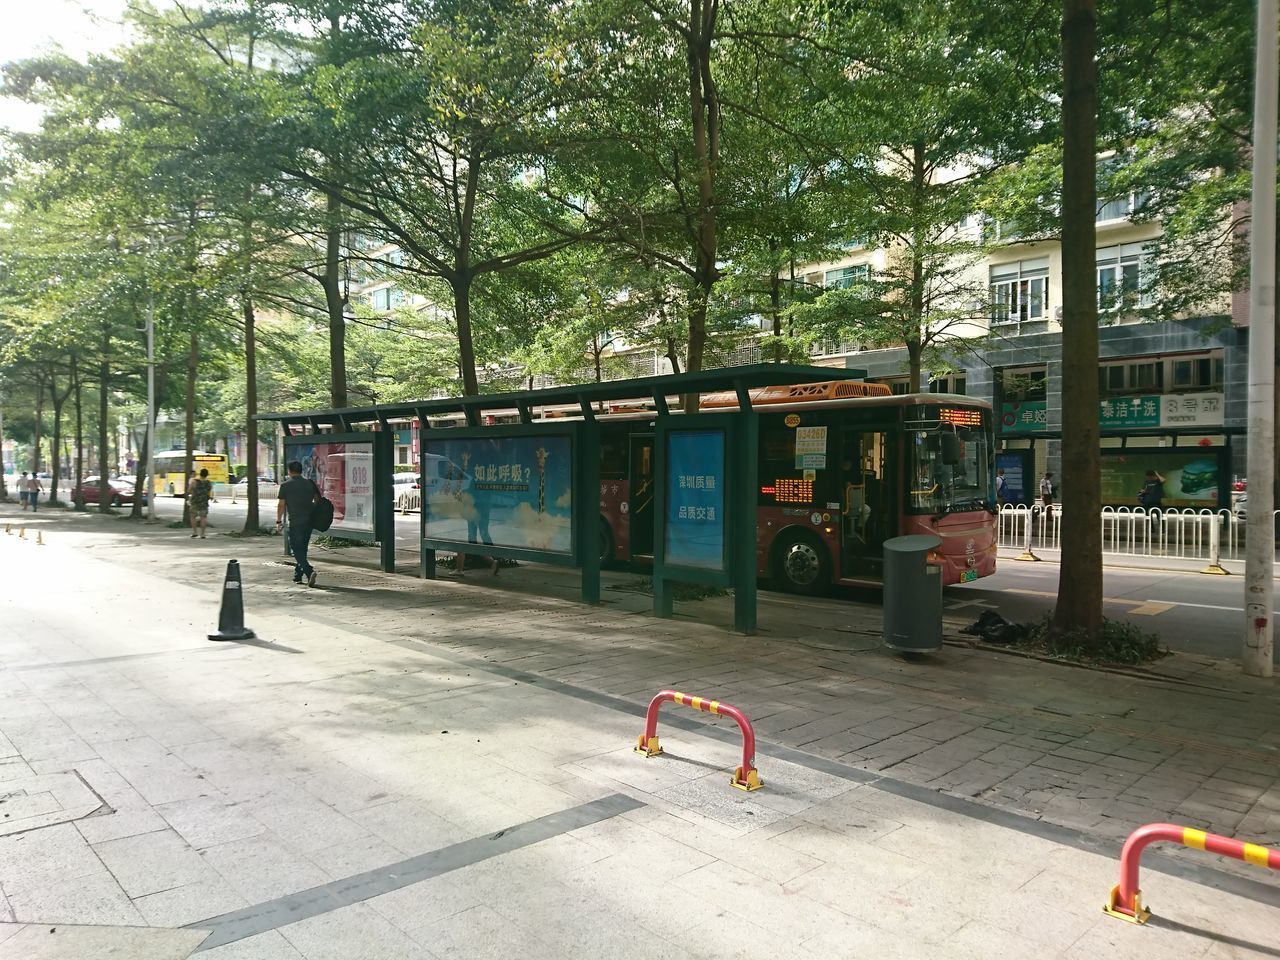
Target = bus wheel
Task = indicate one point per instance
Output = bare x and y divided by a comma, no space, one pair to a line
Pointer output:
801,564
606,541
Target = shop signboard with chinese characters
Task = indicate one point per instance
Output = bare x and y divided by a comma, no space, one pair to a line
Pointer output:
1125,413
1024,415
1170,410
695,518
1191,410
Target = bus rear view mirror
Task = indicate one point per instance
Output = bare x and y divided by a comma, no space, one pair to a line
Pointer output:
951,453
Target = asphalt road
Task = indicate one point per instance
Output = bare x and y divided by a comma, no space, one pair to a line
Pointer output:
1191,612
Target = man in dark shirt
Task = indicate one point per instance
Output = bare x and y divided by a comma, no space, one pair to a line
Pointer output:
297,497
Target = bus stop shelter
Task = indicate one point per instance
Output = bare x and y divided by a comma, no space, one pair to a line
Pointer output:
527,465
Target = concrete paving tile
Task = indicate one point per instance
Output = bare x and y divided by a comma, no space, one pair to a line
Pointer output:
54,852
353,933
14,768
264,946
480,933
151,862
42,942
714,797
791,911
122,823
694,846
95,898
440,897
635,892
307,824
210,820
261,868
409,826
209,897
355,856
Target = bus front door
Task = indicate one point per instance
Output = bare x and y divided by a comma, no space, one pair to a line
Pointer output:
640,504
868,511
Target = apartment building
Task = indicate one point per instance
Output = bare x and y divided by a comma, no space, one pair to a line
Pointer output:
1173,393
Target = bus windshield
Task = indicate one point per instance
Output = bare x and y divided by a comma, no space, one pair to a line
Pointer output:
940,487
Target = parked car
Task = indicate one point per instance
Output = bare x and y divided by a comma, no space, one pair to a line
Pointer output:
121,492
407,491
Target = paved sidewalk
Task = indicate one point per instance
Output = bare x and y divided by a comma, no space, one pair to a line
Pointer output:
346,787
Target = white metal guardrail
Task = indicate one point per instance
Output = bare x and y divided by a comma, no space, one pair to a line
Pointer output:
1208,535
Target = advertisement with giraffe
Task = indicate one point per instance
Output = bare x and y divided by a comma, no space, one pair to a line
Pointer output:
501,491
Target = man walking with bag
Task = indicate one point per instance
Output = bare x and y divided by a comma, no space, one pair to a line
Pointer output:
298,498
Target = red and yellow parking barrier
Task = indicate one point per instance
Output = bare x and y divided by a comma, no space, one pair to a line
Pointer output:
1126,897
745,777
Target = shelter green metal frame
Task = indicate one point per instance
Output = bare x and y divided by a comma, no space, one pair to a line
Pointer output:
742,445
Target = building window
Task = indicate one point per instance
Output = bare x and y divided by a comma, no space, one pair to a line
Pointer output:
1027,384
1123,207
845,276
899,385
1151,375
951,383
402,455
998,231
1020,291
386,298
1197,373
1124,277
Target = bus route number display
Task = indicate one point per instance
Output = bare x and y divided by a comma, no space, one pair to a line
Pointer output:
960,417
788,490
695,520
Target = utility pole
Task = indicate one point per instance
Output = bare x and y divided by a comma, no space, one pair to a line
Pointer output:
1260,537
151,404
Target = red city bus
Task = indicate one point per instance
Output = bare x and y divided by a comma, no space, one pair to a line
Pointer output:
843,466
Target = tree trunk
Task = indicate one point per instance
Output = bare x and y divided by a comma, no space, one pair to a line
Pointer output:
77,386
251,523
55,458
704,105
916,322
38,433
1079,607
193,366
140,478
915,351
466,348
775,302
104,392
333,298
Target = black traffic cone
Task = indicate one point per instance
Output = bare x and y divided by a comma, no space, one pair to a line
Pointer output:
231,615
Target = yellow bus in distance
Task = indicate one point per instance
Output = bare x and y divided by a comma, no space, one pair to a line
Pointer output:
168,477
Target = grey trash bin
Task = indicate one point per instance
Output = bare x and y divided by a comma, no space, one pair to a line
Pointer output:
912,595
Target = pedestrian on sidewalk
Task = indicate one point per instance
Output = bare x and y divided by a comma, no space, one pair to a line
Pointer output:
1002,489
1047,493
198,493
34,489
298,497
22,491
1151,496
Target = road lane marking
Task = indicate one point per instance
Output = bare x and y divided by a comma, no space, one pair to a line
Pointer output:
1151,608
1143,608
